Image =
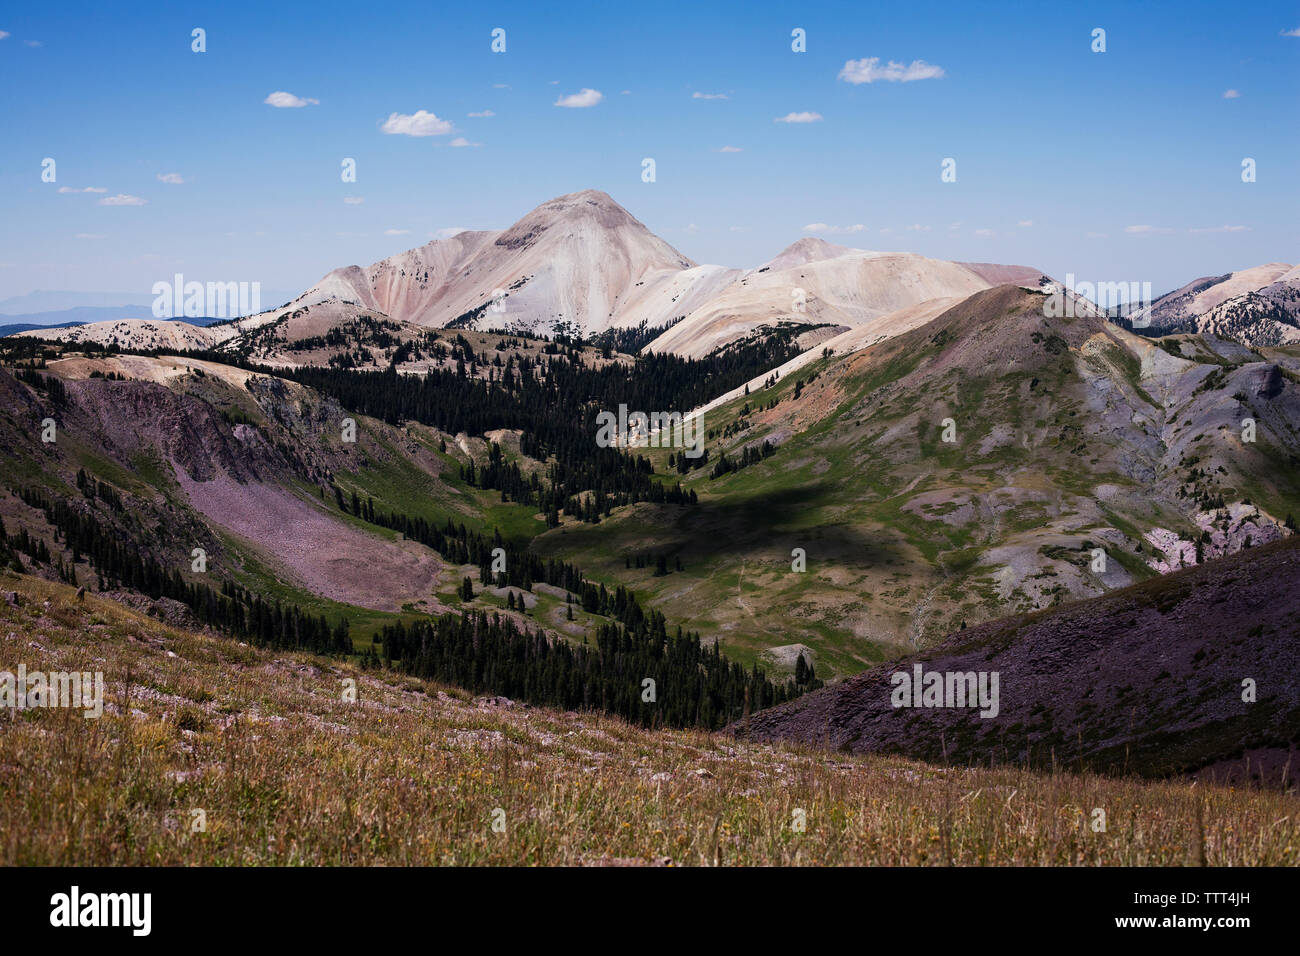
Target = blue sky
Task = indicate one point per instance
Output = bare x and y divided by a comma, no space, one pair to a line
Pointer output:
1127,163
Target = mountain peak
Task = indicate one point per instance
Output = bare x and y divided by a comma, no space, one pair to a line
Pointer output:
807,249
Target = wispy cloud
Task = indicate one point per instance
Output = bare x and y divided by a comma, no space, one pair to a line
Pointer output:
3,34
31,43
1207,230
397,232
461,141
1145,230
985,233
834,230
697,95
805,117
730,149
87,189
1231,94
917,227
282,100
354,200
1025,223
501,86
869,70
482,114
173,179
122,199
586,97
419,123
691,229
1291,33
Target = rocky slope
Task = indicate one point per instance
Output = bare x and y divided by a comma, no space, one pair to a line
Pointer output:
1195,671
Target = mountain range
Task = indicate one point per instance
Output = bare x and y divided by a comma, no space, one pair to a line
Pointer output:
903,455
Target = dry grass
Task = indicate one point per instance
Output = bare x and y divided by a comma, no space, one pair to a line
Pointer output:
289,774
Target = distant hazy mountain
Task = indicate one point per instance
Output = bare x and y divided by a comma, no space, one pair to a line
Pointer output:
47,300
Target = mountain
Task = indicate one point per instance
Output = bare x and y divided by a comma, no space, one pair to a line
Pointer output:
1258,306
83,315
579,263
1070,439
821,283
48,300
582,265
1148,679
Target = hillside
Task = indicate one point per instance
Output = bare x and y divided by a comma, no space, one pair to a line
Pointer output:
1070,435
1147,679
284,772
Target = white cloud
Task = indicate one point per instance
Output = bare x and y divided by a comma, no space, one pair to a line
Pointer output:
1291,33
88,189
833,230
985,233
449,232
1231,95
397,232
353,200
917,227
3,34
731,149
1145,230
482,114
88,235
461,141
1025,223
1213,229
419,123
588,97
868,70
697,95
173,179
122,199
799,118
282,100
